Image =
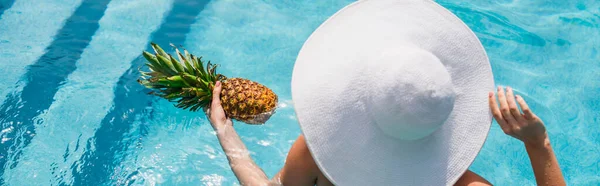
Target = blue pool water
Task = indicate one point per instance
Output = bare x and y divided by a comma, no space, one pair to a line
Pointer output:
72,114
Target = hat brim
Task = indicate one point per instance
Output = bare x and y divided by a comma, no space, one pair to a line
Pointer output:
328,97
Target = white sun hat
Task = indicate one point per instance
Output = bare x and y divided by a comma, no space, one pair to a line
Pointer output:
393,92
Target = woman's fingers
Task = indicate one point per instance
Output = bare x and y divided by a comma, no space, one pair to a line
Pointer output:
512,105
496,112
216,95
216,110
504,107
526,111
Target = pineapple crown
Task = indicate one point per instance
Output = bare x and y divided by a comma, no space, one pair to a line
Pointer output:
185,81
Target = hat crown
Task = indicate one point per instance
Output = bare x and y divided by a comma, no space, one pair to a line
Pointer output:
411,92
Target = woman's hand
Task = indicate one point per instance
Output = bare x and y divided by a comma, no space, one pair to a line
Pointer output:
530,129
525,126
216,114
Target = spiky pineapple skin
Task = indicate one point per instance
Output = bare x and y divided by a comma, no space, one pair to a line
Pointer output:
247,101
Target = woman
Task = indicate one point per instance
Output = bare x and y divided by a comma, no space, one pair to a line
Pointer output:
391,92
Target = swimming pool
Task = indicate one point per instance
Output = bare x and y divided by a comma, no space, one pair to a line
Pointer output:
72,113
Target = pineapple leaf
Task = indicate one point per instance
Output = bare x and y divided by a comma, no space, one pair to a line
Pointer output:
158,50
186,103
212,73
152,74
176,65
195,107
181,58
184,79
152,68
204,102
155,63
200,66
196,64
173,82
168,65
187,55
221,77
161,65
171,96
204,85
191,80
188,67
208,74
204,97
201,93
151,85
179,79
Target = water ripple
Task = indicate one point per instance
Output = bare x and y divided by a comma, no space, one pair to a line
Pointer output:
492,24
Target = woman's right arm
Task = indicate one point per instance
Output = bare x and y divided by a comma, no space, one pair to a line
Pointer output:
530,129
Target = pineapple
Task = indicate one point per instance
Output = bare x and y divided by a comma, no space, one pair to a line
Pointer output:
187,82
